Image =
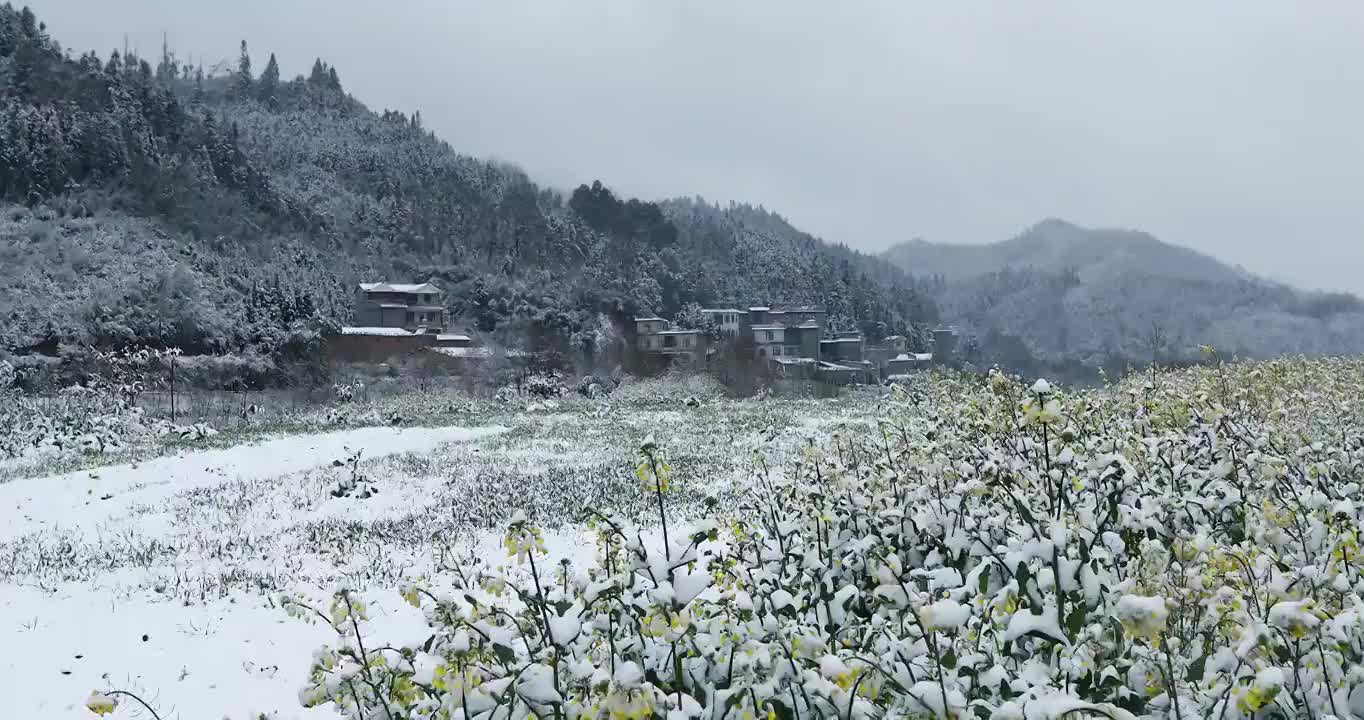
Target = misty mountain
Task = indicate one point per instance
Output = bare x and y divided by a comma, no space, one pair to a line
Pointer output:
1056,244
146,201
1062,294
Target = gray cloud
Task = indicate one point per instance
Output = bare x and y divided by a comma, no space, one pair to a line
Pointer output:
1230,126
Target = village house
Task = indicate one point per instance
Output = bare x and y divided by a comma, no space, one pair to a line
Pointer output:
906,363
944,345
394,321
414,307
656,336
896,360
769,340
844,347
729,320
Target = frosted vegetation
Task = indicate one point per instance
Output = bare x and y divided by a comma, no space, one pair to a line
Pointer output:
96,419
1175,546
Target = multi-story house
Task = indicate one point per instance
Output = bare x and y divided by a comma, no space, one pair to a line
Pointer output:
655,336
944,346
769,340
783,332
846,347
730,320
396,305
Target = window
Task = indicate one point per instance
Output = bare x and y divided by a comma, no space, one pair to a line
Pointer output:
776,351
670,341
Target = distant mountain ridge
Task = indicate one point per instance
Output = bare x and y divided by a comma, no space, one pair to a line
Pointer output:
1062,293
1054,244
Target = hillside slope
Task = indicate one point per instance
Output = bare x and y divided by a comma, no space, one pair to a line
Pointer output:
239,210
1059,293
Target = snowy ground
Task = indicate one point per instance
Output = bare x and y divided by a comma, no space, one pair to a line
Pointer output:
159,576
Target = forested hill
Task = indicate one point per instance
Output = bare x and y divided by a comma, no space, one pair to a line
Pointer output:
1060,294
149,203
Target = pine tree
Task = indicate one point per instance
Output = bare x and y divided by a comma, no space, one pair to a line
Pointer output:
333,80
318,77
268,88
242,80
27,58
198,97
168,69
28,23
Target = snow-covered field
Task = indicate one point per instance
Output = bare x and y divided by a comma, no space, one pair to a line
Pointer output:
1177,545
162,576
145,573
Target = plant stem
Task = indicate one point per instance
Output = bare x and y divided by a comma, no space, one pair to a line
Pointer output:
662,516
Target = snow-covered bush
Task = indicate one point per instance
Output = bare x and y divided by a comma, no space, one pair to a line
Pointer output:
593,387
544,385
1183,546
98,417
7,375
536,392
352,483
345,392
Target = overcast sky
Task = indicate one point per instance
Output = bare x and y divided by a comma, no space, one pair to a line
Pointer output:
1230,126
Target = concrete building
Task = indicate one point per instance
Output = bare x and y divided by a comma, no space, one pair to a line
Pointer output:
906,363
655,336
730,320
768,340
944,346
847,347
400,305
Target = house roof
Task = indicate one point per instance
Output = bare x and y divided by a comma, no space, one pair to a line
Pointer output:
401,288
841,340
769,327
760,308
678,332
379,331
649,319
452,338
834,367
720,310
